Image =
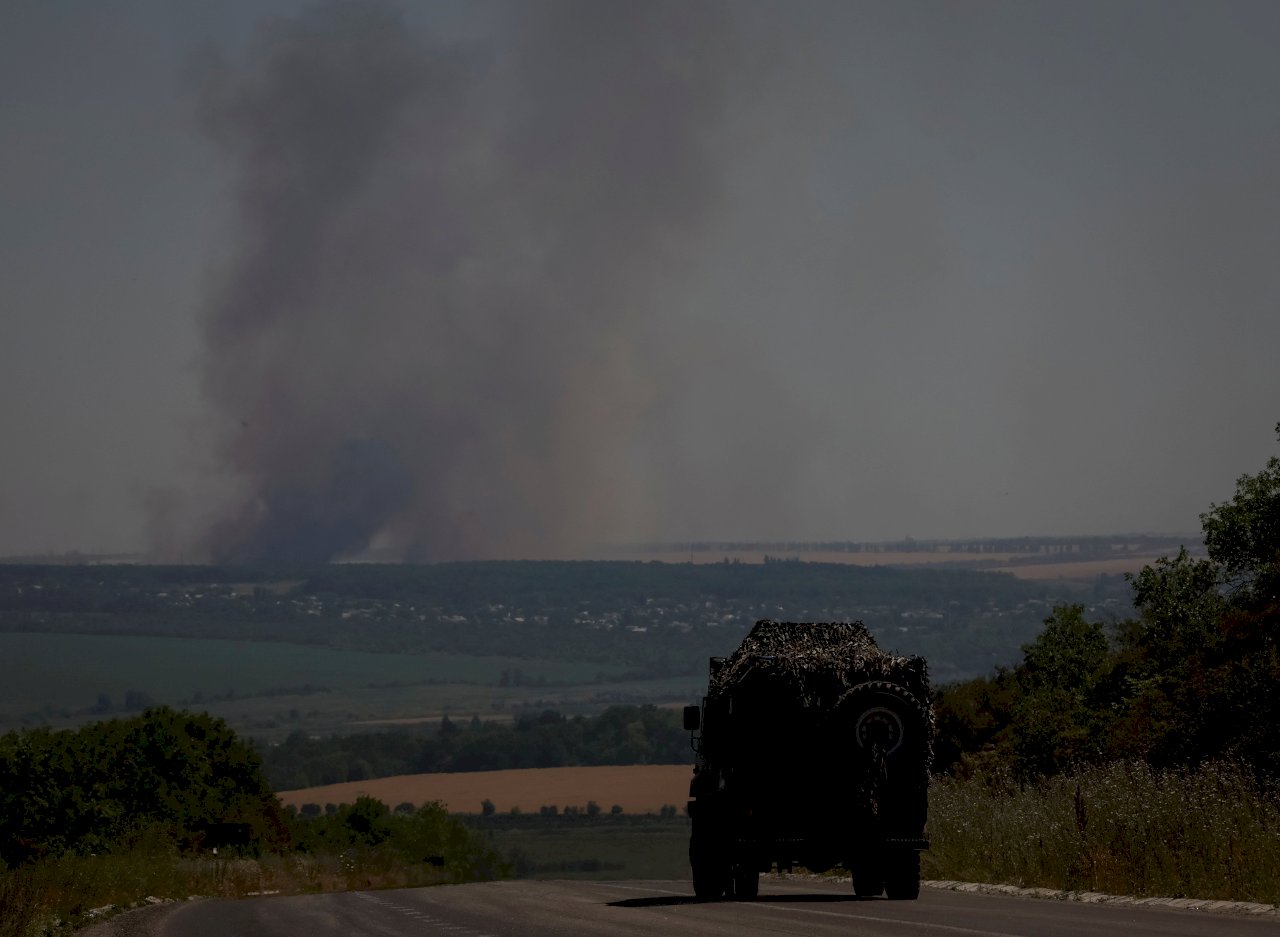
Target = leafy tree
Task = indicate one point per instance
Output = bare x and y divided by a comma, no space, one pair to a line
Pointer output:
368,821
972,722
87,790
1067,654
1243,534
1196,675
1181,607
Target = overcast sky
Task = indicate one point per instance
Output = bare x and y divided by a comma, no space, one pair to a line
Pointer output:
287,280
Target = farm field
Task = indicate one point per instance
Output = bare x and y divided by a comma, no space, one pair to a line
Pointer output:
635,788
1017,564
269,689
1079,570
605,848
345,711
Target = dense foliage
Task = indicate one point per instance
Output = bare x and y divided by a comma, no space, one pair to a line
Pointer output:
426,835
169,783
95,788
1195,676
621,735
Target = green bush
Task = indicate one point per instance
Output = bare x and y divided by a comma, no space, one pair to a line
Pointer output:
1194,677
369,830
91,789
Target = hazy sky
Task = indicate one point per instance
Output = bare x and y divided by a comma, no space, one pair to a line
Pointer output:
286,279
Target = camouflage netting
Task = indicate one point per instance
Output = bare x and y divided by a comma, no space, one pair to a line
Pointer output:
819,664
821,660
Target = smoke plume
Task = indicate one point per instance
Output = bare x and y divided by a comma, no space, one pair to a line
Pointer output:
436,334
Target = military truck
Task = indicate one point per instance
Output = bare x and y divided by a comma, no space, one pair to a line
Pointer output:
813,749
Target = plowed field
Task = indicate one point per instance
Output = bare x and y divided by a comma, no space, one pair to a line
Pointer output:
635,788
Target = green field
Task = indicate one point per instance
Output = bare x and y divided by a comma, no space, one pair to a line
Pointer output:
605,847
270,689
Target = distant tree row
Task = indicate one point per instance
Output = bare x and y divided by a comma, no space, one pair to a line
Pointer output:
1195,676
621,735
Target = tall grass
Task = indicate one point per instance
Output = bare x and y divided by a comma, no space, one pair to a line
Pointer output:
1212,831
54,897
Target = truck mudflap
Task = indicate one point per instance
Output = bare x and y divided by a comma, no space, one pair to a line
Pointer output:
907,842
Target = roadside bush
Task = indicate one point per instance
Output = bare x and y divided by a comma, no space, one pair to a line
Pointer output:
92,789
368,834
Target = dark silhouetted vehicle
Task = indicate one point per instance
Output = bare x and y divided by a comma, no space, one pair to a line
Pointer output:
813,749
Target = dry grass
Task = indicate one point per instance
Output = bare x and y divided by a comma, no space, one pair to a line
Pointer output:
1206,832
917,558
1083,569
635,788
58,896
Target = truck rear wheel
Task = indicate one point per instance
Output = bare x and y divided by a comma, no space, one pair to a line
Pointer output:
746,881
867,883
708,882
902,875
712,873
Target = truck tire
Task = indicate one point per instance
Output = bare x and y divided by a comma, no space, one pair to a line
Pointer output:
708,881
712,873
746,881
902,875
867,883
887,714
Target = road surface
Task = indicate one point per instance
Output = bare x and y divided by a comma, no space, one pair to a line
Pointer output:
658,909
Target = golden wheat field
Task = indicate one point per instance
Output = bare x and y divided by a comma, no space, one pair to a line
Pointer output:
635,788
1082,569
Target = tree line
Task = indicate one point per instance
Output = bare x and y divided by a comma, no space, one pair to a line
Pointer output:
1194,676
621,735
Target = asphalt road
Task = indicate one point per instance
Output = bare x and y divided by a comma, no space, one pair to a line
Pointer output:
658,909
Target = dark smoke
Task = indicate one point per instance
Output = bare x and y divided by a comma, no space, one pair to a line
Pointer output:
436,334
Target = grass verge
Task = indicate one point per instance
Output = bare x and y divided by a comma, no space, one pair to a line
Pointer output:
1211,832
359,847
59,896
